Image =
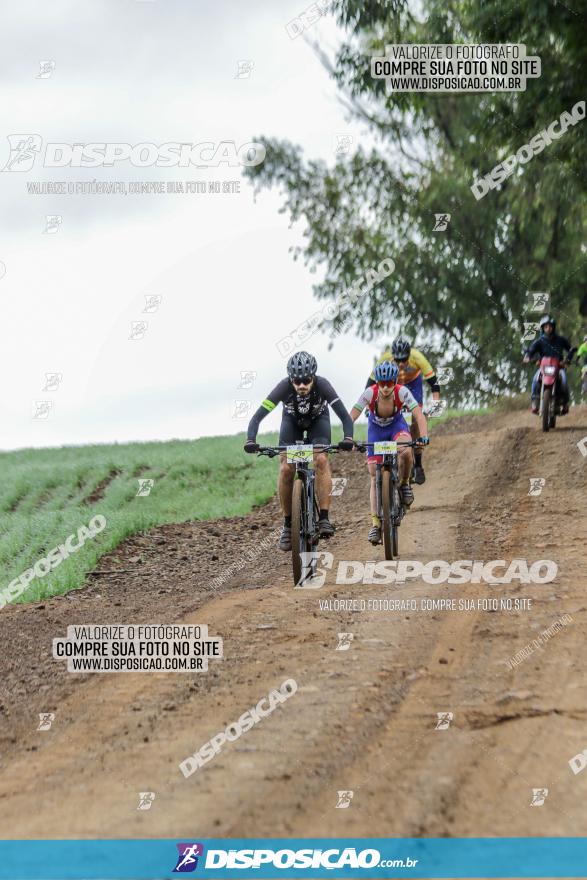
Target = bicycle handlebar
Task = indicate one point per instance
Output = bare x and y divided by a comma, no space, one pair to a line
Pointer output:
362,447
272,451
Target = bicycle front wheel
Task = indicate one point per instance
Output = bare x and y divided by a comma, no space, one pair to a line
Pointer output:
386,505
299,532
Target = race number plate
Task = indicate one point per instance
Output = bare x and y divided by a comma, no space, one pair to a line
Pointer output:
385,447
299,453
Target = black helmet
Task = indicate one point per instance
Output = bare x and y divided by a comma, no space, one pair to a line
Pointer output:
546,319
301,365
401,349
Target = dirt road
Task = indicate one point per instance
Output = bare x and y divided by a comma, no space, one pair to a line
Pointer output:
364,719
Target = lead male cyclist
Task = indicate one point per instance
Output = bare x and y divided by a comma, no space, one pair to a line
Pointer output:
305,398
385,400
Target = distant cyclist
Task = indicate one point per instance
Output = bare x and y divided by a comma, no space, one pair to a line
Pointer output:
305,398
413,369
549,344
385,399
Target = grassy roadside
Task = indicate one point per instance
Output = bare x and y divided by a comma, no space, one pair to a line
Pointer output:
48,494
456,414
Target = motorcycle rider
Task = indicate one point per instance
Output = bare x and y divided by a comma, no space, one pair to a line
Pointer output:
385,400
549,344
305,398
413,369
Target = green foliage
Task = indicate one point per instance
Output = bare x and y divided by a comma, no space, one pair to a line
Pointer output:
460,294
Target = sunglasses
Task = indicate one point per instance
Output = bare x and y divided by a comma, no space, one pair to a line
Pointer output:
306,380
386,384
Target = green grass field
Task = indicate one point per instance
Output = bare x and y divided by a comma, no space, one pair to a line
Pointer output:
47,494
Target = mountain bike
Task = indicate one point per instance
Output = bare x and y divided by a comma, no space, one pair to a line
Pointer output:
390,509
305,512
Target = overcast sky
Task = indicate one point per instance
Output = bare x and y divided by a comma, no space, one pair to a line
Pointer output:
155,71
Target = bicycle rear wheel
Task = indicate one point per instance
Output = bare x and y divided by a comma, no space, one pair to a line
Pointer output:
396,516
299,533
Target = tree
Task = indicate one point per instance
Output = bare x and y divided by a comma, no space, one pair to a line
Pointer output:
462,292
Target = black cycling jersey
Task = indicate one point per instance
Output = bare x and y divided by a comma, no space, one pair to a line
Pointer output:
303,409
549,346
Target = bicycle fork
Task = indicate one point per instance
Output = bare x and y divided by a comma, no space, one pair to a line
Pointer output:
378,488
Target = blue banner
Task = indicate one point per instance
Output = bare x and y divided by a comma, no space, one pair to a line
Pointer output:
274,858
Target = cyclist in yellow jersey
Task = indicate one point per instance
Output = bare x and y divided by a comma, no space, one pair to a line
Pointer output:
413,369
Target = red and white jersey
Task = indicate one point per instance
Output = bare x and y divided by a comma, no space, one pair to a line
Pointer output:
402,396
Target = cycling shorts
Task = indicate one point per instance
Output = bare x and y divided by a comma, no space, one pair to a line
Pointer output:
416,386
376,432
318,433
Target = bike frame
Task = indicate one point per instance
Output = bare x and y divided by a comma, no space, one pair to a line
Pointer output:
397,511
307,473
389,463
304,471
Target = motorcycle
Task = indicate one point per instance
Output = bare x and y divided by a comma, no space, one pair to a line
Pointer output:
551,394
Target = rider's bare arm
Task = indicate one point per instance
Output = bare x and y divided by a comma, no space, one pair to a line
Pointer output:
409,401
364,400
420,420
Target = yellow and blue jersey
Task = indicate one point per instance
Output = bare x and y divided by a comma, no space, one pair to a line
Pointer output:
417,365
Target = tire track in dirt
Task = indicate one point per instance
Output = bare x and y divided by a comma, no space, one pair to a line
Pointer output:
362,719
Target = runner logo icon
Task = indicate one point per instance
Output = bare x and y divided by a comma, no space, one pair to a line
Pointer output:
187,859
23,151
539,795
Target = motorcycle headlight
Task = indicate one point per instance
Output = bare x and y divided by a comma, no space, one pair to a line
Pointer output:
550,371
